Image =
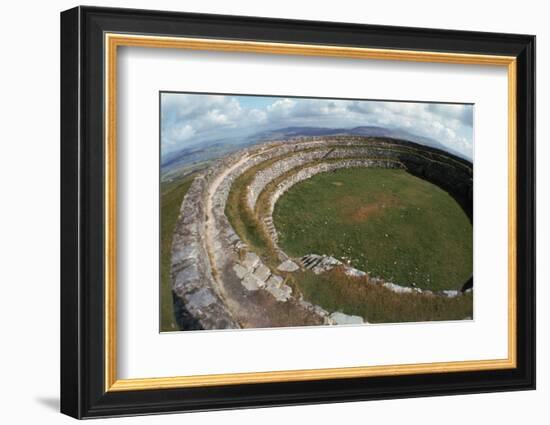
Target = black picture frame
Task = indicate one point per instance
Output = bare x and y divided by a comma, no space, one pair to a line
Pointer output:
83,392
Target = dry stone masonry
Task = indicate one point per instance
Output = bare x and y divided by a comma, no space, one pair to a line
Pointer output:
219,283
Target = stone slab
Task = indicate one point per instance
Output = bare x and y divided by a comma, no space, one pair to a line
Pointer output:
288,266
262,272
241,271
339,318
251,260
200,298
251,282
281,294
275,281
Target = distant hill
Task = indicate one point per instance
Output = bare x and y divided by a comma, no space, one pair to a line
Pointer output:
214,149
372,131
288,132
199,153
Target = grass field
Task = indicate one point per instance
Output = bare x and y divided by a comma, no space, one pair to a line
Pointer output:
171,197
335,291
384,221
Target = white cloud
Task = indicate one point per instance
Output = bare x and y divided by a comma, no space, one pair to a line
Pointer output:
191,118
184,132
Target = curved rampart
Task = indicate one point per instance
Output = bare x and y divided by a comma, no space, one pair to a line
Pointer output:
197,303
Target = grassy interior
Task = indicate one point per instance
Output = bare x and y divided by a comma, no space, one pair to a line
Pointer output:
171,197
384,221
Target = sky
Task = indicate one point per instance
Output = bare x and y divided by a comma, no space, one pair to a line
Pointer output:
191,119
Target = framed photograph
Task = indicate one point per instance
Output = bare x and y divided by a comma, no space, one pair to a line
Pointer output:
261,212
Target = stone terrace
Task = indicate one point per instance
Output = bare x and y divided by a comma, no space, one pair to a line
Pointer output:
218,283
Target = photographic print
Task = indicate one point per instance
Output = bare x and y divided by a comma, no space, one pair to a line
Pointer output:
291,211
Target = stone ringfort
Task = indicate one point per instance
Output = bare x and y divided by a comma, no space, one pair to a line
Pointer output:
218,282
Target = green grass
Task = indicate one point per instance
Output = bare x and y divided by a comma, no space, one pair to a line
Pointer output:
335,291
170,201
240,216
384,221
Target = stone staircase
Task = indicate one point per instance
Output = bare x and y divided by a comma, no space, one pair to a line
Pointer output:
256,275
270,227
319,263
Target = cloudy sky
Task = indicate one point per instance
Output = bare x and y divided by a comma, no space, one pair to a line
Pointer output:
189,119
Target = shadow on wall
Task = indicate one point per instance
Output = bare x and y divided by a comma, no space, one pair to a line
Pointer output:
51,403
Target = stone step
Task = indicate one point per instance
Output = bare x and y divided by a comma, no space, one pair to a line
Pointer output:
319,263
270,227
315,263
310,261
328,153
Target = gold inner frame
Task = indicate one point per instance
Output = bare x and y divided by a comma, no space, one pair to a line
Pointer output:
113,41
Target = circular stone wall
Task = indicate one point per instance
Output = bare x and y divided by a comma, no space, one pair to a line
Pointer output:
228,269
